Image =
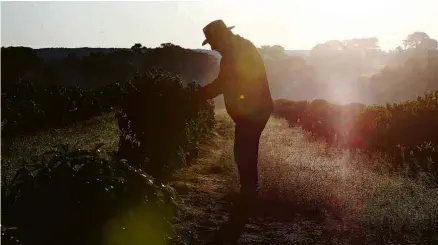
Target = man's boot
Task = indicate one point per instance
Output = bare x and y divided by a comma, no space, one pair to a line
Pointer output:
230,232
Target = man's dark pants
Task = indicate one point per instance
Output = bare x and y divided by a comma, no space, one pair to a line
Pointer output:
246,149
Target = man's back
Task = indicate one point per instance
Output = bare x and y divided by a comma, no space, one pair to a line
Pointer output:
245,89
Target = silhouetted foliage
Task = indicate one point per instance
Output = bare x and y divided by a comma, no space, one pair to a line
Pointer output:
28,106
408,131
415,76
372,76
419,40
72,196
368,74
36,94
91,68
289,76
162,122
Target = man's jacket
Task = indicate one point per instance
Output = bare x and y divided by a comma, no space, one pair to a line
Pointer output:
243,82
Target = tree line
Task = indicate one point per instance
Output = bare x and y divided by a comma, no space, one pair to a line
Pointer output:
38,94
359,66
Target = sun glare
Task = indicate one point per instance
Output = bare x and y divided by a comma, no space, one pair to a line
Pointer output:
342,94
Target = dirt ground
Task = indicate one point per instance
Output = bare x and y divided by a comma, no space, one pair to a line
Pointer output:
309,193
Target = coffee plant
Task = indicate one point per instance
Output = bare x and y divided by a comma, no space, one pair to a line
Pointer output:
162,122
408,131
73,196
29,106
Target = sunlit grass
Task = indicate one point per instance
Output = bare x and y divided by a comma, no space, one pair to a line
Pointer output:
216,153
341,184
331,196
84,135
346,196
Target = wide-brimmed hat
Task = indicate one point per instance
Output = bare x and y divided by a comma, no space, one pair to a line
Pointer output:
216,27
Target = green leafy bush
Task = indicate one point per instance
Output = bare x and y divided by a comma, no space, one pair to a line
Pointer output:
162,122
29,106
407,131
72,196
292,111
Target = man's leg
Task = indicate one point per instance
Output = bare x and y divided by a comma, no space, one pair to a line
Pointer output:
246,151
246,147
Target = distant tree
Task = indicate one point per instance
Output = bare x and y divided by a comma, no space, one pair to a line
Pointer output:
419,40
327,53
413,71
329,46
364,45
399,49
429,44
136,47
169,45
273,52
290,76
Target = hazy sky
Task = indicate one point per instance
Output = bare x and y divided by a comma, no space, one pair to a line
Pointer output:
292,24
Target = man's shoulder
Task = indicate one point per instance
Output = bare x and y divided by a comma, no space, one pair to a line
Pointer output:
246,49
241,41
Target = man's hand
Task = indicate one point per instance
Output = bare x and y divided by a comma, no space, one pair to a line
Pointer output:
210,91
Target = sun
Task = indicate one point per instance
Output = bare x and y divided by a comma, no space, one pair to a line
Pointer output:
342,94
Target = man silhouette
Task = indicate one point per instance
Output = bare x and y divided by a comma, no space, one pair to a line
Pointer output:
243,82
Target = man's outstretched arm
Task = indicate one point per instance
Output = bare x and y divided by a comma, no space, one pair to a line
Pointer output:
216,87
226,73
213,89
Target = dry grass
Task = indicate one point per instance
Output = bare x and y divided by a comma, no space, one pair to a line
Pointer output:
215,160
309,193
204,185
344,188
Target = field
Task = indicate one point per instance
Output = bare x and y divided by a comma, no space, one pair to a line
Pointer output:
83,135
127,152
53,180
311,193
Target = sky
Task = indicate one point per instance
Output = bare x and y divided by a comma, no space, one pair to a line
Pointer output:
293,24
